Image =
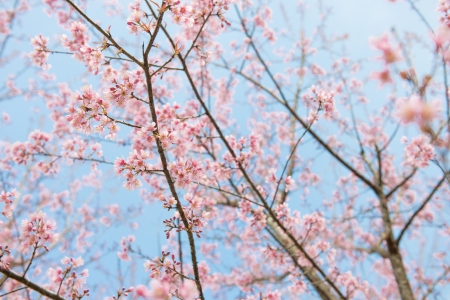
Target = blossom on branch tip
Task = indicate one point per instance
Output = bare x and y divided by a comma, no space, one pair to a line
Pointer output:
390,55
40,54
418,152
416,109
7,199
37,231
186,171
441,37
289,184
384,77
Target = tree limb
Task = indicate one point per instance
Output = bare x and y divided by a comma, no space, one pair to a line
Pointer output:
30,284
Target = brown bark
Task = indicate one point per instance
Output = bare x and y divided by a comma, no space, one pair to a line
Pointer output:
19,278
395,257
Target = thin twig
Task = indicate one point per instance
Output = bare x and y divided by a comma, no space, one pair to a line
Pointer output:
13,291
424,203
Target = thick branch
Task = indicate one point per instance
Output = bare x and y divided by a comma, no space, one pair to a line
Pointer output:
395,256
169,180
30,284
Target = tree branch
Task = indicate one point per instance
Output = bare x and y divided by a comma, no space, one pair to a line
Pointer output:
424,203
30,284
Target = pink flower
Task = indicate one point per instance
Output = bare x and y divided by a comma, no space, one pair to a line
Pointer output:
105,221
37,231
142,291
7,198
113,209
6,119
415,109
123,255
441,37
188,290
439,255
289,184
40,55
182,15
113,129
74,262
275,295
418,152
390,55
186,171
160,290
384,77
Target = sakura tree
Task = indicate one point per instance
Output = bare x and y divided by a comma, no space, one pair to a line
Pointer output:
222,149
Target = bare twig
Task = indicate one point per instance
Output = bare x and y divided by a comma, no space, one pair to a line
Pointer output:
424,203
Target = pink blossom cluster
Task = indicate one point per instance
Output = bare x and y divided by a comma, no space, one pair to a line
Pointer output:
4,264
20,152
114,211
6,16
165,288
389,53
147,134
322,100
351,283
169,129
182,14
441,38
7,199
125,244
133,166
122,292
68,281
289,184
415,109
76,148
186,171
39,55
372,134
384,77
37,231
389,56
169,265
245,149
123,86
136,22
261,20
91,107
443,7
258,220
195,216
92,57
168,203
200,210
418,152
5,118
165,135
